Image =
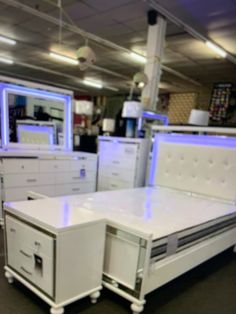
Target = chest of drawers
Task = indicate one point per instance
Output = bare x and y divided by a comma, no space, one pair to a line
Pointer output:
122,163
52,175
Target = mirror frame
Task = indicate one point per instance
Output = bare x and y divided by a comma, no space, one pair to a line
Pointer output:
47,93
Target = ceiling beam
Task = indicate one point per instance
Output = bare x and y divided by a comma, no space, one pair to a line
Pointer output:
189,29
76,30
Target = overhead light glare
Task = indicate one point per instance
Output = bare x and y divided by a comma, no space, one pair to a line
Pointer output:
112,88
63,58
7,40
93,84
5,60
216,49
138,57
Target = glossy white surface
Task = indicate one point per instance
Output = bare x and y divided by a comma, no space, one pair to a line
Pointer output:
158,211
54,214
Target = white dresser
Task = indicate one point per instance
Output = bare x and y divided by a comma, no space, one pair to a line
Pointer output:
122,162
56,252
50,174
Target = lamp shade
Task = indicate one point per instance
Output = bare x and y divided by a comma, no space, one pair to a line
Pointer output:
84,107
199,117
108,125
132,109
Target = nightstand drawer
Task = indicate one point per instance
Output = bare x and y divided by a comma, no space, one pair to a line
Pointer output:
31,253
19,165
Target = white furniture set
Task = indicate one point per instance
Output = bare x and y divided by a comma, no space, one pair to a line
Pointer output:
153,234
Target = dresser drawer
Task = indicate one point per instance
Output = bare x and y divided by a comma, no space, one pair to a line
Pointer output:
117,173
105,183
31,253
19,165
114,161
87,164
27,179
20,194
53,165
75,188
76,176
118,149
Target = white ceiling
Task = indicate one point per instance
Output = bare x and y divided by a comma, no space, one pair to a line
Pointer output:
124,23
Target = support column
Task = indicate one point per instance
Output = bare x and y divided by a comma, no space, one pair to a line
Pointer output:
155,48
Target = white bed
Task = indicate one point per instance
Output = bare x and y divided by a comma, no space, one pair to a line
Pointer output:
155,234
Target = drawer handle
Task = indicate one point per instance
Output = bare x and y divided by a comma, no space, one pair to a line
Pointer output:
22,167
26,271
36,243
76,178
115,162
25,254
76,189
115,173
114,185
12,230
31,180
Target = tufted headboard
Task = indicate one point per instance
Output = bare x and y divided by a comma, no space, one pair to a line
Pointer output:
199,164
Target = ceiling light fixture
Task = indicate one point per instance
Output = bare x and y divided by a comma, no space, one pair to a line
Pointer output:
8,41
5,60
112,88
63,58
138,57
93,83
216,49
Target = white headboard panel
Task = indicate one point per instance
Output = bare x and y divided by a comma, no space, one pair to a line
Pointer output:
207,168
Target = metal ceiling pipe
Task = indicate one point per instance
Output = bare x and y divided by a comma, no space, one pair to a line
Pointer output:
76,30
190,30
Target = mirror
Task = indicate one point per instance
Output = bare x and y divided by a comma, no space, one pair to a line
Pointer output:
35,119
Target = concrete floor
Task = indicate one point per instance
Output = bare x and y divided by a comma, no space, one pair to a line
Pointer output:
208,289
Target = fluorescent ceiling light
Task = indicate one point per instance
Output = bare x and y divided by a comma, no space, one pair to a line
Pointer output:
112,88
93,83
63,58
138,57
8,41
5,60
216,49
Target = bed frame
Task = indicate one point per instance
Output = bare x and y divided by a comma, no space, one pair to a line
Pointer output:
202,167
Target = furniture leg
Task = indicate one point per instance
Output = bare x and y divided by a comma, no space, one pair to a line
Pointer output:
234,249
94,297
57,310
137,308
9,277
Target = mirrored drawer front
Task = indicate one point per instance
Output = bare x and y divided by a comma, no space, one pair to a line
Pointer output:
75,188
20,194
89,165
76,176
53,165
122,163
27,179
19,165
31,253
105,183
117,173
